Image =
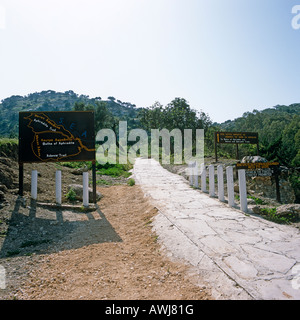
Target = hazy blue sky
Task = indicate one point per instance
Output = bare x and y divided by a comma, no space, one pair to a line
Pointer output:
223,56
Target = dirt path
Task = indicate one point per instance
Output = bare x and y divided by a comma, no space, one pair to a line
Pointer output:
126,265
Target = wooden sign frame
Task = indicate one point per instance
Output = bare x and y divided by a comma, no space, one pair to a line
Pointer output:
56,136
235,138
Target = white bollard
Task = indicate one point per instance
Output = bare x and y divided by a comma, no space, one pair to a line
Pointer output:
34,178
230,186
196,184
243,190
211,172
203,177
58,186
220,183
2,278
191,172
85,194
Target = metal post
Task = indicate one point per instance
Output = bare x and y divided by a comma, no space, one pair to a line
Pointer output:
34,177
58,186
85,191
220,183
243,190
203,177
230,186
94,181
211,172
191,173
195,174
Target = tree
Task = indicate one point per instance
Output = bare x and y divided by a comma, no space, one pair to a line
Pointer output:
103,117
290,141
152,117
79,106
176,115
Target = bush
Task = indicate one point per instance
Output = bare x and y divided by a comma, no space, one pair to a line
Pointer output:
257,200
270,214
9,148
131,182
71,195
115,170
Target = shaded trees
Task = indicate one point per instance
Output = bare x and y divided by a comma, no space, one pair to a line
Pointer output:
176,115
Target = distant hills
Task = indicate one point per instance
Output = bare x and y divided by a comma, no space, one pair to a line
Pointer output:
55,101
278,127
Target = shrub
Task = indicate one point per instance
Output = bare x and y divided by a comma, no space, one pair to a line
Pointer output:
71,195
131,182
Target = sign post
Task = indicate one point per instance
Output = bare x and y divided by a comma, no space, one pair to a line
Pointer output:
235,138
58,136
258,167
21,179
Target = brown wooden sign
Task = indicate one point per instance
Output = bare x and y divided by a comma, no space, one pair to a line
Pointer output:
56,136
237,137
257,165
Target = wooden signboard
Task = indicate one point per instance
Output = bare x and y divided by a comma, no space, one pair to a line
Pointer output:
257,165
57,136
235,138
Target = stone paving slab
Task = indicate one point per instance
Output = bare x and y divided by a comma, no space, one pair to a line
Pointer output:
239,256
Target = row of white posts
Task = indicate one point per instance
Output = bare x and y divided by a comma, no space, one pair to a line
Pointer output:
194,175
34,183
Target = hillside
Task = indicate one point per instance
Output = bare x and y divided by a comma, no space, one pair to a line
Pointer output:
278,129
53,101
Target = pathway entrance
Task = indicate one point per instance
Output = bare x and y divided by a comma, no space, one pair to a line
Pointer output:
240,256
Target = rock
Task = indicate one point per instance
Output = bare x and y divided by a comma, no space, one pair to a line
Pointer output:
78,189
3,188
253,159
288,209
266,187
236,187
251,202
256,209
6,161
77,171
7,177
2,196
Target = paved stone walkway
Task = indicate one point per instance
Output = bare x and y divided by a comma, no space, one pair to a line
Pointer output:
240,256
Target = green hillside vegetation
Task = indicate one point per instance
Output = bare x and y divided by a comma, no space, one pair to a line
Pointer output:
59,101
278,127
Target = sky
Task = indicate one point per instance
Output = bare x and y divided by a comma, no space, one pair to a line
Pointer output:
225,57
